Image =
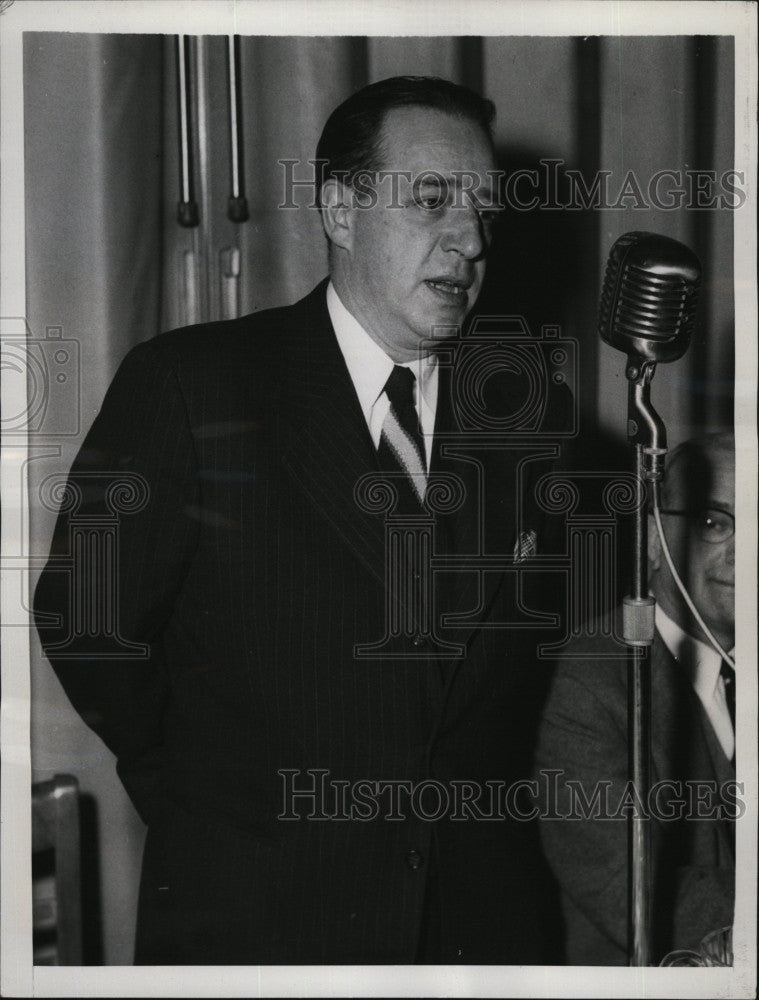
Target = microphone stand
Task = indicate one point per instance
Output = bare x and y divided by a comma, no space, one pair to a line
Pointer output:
647,435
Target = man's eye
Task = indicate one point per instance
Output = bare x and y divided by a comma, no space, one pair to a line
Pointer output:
715,523
430,202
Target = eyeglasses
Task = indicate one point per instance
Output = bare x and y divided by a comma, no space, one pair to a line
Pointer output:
713,526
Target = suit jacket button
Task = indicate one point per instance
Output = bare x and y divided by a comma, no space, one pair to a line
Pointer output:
419,640
414,860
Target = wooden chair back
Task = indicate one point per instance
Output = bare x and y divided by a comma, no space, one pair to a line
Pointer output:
57,898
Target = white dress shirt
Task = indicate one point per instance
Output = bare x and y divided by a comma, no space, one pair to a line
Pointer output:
369,368
702,664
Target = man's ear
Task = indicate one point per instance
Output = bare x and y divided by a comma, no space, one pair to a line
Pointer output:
654,546
337,214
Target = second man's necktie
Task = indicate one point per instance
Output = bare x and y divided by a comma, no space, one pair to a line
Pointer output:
728,676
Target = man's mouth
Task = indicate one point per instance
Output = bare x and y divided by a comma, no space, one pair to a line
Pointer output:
454,290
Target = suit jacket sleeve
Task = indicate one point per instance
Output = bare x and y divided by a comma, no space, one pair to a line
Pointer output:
139,458
582,740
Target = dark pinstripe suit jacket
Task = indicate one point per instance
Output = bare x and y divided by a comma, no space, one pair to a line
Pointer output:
250,573
584,732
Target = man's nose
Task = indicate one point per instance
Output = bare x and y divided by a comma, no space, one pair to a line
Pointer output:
464,233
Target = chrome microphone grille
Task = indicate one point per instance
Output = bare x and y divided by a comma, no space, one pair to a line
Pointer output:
649,296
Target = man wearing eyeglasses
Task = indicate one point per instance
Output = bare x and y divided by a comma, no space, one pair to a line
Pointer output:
699,525
584,736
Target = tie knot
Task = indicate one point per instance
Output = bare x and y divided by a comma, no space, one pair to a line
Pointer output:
400,387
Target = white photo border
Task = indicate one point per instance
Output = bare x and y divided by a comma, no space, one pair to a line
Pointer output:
363,17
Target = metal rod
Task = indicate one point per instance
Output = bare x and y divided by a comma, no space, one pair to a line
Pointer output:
237,208
639,680
639,725
187,208
639,579
647,436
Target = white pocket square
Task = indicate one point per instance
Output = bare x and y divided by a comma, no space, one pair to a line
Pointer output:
525,546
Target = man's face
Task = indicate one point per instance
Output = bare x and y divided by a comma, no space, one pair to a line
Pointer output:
707,568
416,258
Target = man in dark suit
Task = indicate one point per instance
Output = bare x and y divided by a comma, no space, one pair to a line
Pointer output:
584,736
298,705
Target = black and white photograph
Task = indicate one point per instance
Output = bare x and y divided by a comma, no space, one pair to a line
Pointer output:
379,461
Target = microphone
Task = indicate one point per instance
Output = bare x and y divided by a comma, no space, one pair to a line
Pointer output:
647,310
649,297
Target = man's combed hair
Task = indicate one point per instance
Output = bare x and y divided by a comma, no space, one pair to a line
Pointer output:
351,141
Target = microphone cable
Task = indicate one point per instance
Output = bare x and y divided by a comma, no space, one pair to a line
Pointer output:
680,585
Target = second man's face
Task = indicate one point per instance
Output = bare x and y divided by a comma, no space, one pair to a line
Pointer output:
707,568
419,238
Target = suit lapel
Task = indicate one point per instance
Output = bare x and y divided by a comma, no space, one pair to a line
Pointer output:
326,443
684,745
724,770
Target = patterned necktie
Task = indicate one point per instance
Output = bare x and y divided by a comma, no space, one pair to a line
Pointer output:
401,446
728,676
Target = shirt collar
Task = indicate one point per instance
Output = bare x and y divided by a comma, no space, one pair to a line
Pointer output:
368,365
